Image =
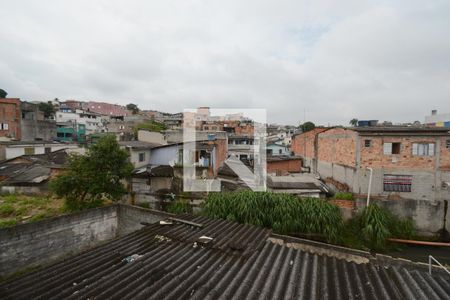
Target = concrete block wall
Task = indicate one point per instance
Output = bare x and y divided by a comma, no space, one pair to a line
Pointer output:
130,218
426,185
340,173
43,242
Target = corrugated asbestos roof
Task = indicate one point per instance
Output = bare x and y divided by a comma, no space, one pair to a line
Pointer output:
162,262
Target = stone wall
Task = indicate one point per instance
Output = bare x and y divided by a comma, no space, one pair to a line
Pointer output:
43,242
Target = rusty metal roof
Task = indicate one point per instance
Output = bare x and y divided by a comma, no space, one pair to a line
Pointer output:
168,262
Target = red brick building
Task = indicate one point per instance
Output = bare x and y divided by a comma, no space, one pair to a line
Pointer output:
107,109
283,165
10,117
407,162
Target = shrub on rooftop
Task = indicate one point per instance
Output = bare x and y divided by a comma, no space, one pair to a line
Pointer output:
283,213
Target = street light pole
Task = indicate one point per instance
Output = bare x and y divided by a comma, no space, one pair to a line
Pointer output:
370,186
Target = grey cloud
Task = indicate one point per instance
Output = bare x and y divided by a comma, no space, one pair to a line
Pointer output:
333,59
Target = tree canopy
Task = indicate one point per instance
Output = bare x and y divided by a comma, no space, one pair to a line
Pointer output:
353,122
133,107
95,176
307,126
3,93
47,109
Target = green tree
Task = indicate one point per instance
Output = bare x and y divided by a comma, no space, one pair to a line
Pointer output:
353,122
3,93
93,177
307,126
133,107
47,109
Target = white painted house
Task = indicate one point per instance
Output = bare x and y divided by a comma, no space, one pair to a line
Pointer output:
94,123
9,150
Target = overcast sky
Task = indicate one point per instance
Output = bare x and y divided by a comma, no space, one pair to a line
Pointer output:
334,60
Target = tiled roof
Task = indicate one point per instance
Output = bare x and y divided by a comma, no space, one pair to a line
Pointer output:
168,262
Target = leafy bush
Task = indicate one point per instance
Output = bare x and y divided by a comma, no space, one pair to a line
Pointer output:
7,223
403,228
282,212
150,126
144,205
343,196
6,210
179,207
376,224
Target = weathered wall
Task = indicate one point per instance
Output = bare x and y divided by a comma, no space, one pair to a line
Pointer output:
164,155
338,146
373,156
427,215
130,218
32,130
425,185
291,166
303,144
26,190
151,137
340,173
444,154
42,242
10,118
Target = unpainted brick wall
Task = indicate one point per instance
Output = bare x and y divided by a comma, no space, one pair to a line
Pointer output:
290,166
373,156
338,146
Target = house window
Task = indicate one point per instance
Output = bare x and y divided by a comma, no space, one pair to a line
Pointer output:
269,151
423,149
448,144
397,183
367,143
3,126
280,151
29,150
391,148
141,156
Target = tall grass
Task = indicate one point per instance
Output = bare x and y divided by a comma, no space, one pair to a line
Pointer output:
376,224
179,207
282,212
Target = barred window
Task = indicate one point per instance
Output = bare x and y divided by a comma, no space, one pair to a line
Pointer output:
423,149
397,183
